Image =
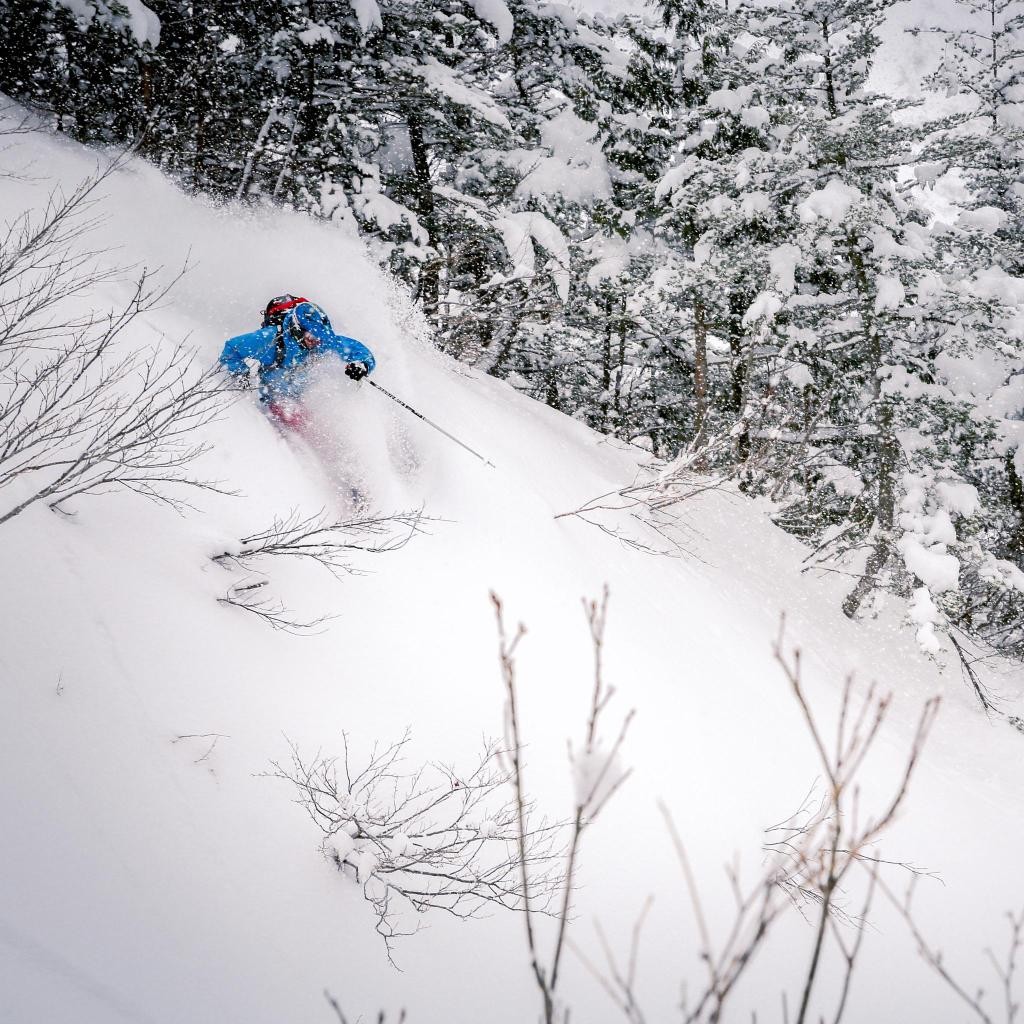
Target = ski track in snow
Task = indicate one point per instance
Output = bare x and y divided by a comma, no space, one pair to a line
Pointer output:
152,878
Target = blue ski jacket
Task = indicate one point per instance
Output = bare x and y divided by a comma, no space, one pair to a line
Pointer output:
283,362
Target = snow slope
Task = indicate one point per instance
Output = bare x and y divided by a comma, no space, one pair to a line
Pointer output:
150,878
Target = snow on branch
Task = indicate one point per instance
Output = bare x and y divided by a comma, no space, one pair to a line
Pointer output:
598,775
429,838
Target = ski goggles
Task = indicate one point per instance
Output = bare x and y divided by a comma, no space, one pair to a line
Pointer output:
305,338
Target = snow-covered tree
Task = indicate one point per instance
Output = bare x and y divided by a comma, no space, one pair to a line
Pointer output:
875,307
83,64
717,210
982,146
983,62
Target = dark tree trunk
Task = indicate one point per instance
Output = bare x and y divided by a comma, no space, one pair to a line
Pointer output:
740,371
426,211
620,368
1016,546
700,372
886,445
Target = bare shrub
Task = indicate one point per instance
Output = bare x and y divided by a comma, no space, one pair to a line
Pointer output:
320,540
81,412
821,854
1005,969
426,839
272,611
326,541
651,505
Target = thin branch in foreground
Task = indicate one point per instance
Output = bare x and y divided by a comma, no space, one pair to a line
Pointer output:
597,774
619,983
1006,971
319,540
326,541
835,841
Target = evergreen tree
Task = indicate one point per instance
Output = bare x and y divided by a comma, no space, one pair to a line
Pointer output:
983,61
86,67
203,90
717,211
875,308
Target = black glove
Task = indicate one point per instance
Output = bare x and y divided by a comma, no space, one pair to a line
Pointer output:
250,376
357,371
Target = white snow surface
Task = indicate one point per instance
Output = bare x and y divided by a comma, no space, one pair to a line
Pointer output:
153,875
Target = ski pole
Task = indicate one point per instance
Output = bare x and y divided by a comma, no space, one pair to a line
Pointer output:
441,430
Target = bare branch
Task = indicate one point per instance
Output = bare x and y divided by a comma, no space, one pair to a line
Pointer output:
429,839
83,412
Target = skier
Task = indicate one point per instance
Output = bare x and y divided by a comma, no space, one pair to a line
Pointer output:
296,334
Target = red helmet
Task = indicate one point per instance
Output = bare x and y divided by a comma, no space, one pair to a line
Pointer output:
274,314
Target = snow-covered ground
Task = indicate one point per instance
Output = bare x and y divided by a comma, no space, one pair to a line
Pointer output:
146,877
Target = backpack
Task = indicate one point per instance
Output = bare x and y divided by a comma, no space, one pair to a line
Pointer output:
274,315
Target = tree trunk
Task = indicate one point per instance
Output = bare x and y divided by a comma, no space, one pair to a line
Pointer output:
620,368
198,18
700,372
426,211
885,515
1016,545
886,446
255,153
740,373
